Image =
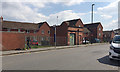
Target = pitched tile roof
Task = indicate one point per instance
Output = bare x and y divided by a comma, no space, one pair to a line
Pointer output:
19,25
92,25
41,23
72,22
108,32
117,29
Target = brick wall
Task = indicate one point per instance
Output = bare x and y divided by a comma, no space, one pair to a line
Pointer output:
108,35
79,23
100,32
78,35
112,35
61,35
39,36
93,31
12,40
0,40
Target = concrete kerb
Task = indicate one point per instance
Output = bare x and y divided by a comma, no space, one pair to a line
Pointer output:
46,49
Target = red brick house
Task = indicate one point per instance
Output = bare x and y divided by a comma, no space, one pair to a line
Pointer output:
96,30
68,33
108,35
36,31
86,34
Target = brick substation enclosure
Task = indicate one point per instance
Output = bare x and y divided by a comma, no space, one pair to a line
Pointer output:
12,40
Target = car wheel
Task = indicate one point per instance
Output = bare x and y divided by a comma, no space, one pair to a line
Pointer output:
109,53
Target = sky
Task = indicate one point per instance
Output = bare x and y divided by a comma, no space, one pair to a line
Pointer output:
37,11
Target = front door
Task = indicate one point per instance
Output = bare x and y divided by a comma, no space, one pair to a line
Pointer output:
71,39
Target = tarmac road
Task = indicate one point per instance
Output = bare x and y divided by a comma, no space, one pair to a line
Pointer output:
80,58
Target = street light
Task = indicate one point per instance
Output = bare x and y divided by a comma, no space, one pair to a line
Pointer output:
92,22
55,33
92,14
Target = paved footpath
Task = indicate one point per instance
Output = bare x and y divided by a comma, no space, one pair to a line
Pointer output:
11,52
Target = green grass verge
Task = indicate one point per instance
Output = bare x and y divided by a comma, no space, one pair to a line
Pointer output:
35,46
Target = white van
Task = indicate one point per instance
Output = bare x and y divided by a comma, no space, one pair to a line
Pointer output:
114,52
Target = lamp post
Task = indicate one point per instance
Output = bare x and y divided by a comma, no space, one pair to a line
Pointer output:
92,23
92,14
55,33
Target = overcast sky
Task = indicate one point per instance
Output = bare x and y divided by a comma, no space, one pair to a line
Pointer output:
47,10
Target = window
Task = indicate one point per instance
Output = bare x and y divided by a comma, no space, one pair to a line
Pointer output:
22,30
18,30
8,30
83,38
99,34
99,28
34,38
4,29
34,31
48,32
105,36
42,31
79,25
28,31
42,39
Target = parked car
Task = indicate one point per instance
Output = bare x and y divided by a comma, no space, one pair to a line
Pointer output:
34,42
97,40
86,42
114,52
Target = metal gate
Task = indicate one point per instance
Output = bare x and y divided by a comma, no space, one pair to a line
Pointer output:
42,40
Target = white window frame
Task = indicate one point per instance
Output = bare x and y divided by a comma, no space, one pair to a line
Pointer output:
42,31
42,39
99,34
99,29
